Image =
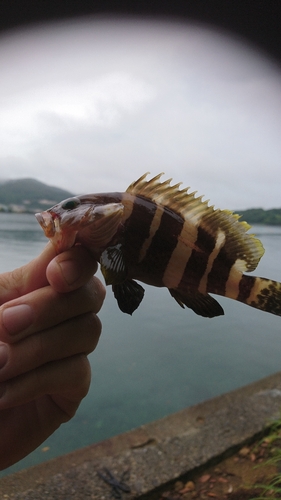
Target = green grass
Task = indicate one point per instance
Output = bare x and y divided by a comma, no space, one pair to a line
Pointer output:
272,490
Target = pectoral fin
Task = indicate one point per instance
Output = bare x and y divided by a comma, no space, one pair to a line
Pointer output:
128,295
113,266
203,305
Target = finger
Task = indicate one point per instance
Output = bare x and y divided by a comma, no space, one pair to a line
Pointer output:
66,381
26,278
44,308
76,336
71,269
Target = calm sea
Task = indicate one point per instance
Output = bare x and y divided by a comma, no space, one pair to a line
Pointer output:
161,359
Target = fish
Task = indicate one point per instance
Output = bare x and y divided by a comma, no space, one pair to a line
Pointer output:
163,235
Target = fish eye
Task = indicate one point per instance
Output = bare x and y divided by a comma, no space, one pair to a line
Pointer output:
71,204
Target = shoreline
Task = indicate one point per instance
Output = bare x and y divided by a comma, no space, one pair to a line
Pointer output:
155,453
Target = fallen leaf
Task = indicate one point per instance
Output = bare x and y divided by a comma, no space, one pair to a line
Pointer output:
205,478
190,486
244,451
222,480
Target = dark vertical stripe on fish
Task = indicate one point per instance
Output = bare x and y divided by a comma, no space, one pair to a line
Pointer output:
197,263
220,272
245,287
163,243
138,225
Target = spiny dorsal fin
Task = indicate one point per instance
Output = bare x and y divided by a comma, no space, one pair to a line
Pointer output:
238,243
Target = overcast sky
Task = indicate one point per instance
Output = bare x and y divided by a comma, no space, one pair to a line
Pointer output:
91,105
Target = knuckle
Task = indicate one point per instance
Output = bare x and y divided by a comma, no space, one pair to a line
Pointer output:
81,375
91,329
10,285
98,292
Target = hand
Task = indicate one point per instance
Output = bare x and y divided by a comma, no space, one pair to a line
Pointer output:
48,326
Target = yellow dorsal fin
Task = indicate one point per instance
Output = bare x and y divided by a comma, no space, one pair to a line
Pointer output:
240,245
178,200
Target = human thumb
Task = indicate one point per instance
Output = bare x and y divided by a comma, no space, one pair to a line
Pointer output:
71,269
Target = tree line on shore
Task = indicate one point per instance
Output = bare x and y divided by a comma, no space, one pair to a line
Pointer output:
260,216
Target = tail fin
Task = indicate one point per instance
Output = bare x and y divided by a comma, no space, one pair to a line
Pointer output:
262,293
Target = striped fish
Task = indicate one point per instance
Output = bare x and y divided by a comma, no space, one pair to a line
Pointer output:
165,236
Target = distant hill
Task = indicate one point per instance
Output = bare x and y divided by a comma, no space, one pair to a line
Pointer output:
261,216
29,195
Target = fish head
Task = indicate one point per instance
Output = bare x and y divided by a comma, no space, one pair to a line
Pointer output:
81,220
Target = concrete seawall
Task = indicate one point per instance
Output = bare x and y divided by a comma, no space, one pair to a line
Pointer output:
155,453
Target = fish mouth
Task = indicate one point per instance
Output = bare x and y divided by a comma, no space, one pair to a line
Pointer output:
47,223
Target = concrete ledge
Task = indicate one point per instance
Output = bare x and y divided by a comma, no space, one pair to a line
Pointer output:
155,453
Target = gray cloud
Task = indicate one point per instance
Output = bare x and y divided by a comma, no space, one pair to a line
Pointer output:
92,105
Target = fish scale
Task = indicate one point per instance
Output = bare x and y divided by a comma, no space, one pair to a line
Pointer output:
165,236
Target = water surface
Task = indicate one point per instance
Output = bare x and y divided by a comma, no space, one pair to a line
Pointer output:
161,359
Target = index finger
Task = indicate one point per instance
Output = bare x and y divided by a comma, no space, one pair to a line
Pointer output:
27,278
